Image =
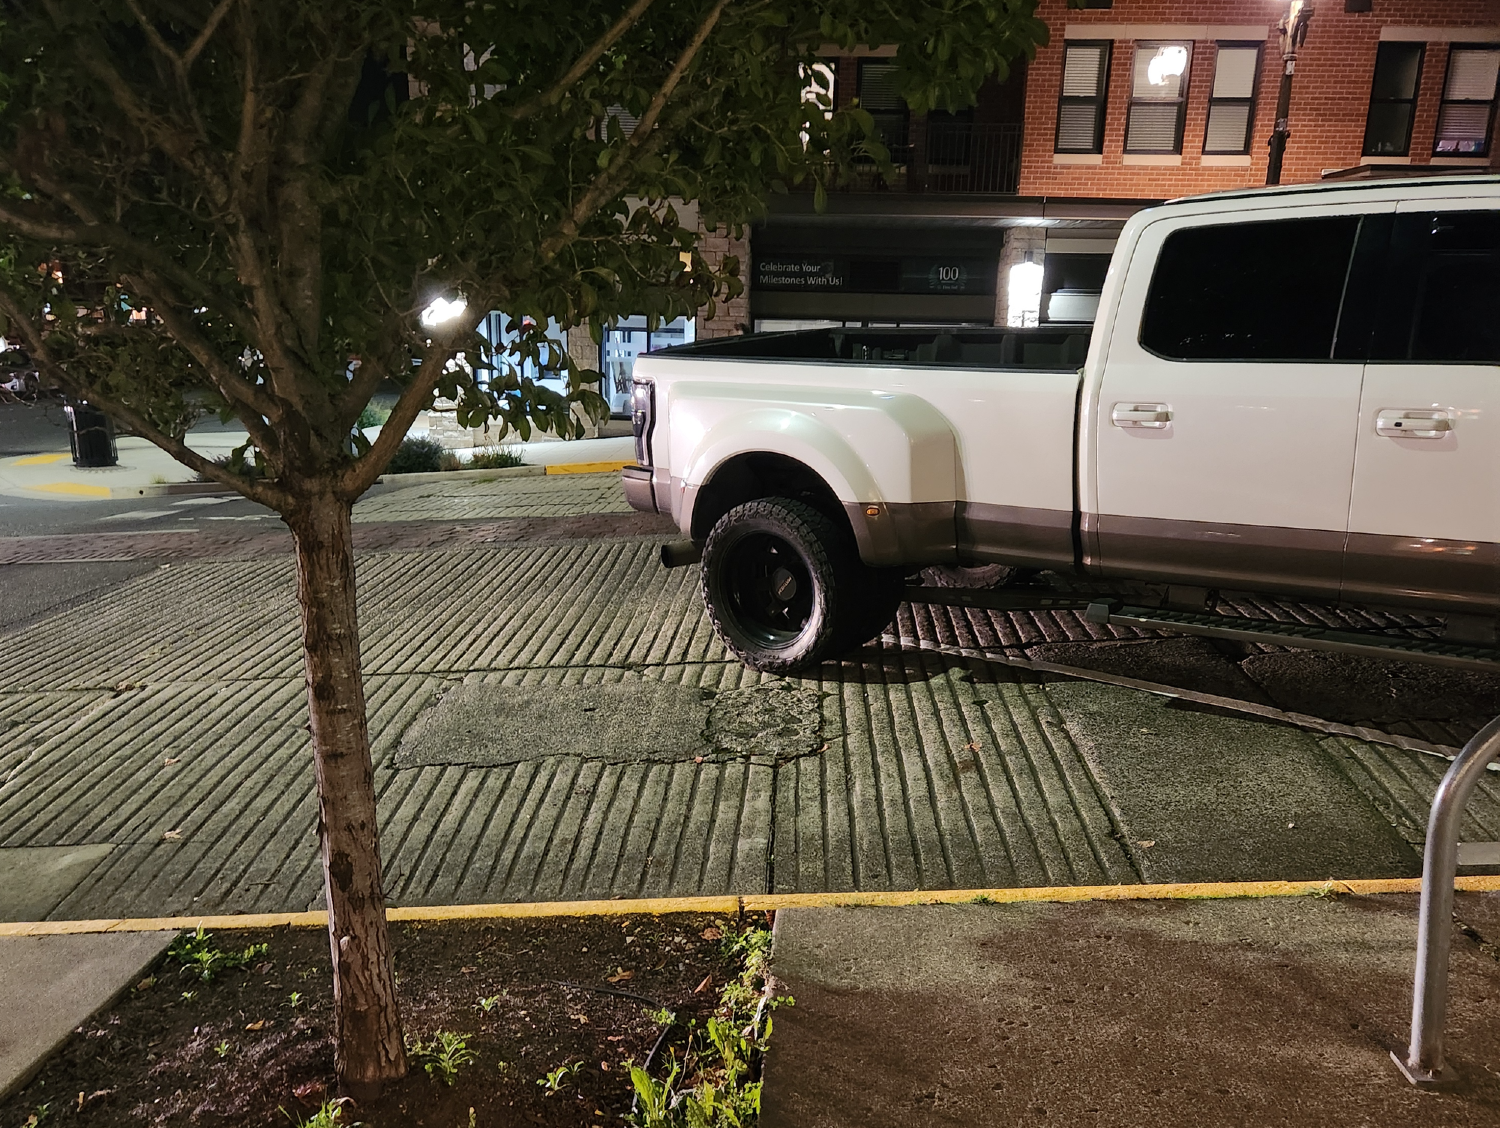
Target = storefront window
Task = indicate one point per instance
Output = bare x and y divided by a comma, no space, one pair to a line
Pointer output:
626,341
500,330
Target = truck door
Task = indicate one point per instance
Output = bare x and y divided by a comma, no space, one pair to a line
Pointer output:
1224,425
1424,523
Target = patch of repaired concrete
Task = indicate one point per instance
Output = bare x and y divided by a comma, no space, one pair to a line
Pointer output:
777,721
636,720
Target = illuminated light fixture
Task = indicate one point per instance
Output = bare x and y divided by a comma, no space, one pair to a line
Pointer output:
442,310
1023,302
1169,62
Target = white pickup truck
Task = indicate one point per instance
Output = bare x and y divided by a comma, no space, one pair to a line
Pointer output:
1286,391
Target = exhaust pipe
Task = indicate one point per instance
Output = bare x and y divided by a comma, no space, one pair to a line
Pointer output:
679,554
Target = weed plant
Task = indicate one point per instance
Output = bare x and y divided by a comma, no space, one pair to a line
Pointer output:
198,955
442,1056
715,1082
329,1115
560,1078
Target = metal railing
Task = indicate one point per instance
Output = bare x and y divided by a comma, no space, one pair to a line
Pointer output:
1423,1063
964,157
947,156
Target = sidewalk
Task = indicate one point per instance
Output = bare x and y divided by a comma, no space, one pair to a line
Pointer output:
1156,1014
145,470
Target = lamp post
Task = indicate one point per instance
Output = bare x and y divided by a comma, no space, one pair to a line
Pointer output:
1293,28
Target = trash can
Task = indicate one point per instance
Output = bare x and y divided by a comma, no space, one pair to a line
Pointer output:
92,436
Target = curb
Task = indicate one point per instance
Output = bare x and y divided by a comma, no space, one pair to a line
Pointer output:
589,467
768,902
424,476
169,489
528,471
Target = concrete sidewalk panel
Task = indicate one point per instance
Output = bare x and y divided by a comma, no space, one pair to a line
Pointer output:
1277,1012
35,879
50,985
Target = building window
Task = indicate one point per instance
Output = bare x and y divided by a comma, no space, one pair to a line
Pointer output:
1158,98
625,340
878,96
1080,109
1231,105
1393,97
1467,112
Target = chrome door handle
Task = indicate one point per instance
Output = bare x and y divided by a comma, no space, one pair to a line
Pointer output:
1152,415
1413,423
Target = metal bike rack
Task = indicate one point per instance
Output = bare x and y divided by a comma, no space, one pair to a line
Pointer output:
1429,1009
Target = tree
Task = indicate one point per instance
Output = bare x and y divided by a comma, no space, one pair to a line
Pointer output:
223,204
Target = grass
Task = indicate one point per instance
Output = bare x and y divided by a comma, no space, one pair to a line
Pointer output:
373,415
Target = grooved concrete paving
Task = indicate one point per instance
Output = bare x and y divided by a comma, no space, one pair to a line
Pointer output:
173,730
558,495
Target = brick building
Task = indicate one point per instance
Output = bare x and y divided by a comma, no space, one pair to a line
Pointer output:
1131,102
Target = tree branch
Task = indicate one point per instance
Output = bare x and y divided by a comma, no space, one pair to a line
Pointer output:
361,476
605,184
209,27
263,493
553,94
247,397
89,234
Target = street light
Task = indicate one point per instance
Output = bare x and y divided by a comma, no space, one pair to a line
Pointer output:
1293,28
442,310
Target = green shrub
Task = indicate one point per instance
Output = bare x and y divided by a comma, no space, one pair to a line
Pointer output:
416,456
501,458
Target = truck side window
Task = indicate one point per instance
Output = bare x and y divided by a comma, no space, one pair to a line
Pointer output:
1443,290
1249,291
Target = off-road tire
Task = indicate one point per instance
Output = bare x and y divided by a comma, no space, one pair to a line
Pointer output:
783,584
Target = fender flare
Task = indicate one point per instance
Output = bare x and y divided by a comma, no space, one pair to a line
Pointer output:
901,508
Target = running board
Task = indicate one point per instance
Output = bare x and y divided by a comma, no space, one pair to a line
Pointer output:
1000,599
1465,656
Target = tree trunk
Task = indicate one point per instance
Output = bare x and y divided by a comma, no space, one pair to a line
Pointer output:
366,1027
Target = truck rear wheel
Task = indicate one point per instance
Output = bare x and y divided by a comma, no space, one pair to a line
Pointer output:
782,584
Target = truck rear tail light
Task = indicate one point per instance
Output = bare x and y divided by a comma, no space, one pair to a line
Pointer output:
643,418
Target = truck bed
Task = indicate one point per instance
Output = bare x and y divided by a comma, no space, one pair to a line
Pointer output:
1059,349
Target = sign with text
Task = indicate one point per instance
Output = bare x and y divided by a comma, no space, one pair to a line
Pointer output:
915,275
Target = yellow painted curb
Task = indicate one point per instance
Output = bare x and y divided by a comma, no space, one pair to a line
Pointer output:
589,467
77,489
762,902
40,460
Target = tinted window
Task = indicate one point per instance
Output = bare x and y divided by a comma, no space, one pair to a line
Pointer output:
1249,291
1444,289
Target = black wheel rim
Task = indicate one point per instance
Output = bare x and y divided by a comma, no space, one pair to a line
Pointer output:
770,590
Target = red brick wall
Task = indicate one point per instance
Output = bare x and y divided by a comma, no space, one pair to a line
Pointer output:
1330,94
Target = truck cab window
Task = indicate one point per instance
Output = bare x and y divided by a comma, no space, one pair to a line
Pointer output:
1443,287
1249,291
